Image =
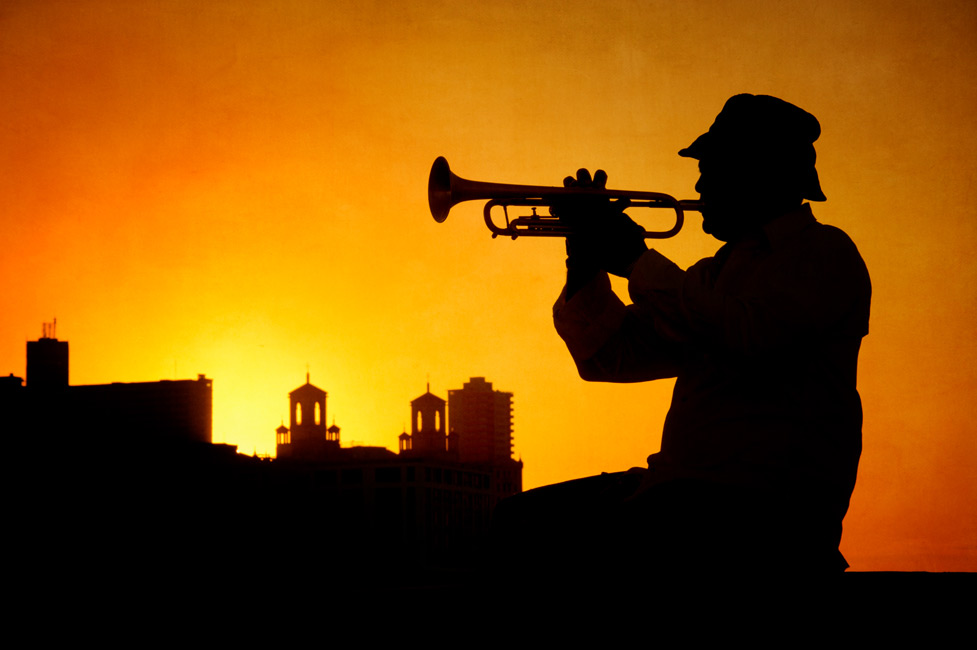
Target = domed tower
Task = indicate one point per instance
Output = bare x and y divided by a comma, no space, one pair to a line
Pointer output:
283,446
307,434
428,425
332,433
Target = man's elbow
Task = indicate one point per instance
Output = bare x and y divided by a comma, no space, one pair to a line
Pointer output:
590,371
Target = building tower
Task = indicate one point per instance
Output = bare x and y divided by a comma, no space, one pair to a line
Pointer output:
307,436
481,418
427,426
47,360
282,441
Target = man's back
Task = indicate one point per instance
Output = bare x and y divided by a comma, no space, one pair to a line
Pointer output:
772,326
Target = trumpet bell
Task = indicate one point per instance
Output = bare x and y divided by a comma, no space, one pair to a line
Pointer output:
439,189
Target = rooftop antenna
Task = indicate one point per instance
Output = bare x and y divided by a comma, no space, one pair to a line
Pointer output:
48,329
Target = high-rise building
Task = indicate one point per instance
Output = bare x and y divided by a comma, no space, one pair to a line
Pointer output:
480,425
482,420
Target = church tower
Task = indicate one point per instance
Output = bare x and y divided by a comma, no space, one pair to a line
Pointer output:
307,435
428,426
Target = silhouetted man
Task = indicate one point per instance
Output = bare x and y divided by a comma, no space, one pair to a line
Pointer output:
762,438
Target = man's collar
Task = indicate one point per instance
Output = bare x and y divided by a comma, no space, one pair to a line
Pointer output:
787,226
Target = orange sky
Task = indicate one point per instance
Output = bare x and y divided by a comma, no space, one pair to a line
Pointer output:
239,189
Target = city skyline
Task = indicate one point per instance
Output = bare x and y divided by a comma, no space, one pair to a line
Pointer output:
51,365
118,457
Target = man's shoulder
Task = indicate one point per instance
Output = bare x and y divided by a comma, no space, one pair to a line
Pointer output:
828,235
803,230
830,249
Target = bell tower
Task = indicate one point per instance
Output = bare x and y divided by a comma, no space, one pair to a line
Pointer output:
428,425
307,433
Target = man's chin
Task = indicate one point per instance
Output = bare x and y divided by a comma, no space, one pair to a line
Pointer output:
709,227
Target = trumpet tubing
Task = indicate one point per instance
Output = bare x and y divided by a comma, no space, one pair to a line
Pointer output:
445,190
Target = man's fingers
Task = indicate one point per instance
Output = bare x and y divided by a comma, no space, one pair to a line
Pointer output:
600,179
584,179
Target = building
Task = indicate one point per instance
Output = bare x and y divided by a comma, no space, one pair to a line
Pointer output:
102,416
307,436
481,418
121,478
47,361
481,422
424,499
135,461
429,423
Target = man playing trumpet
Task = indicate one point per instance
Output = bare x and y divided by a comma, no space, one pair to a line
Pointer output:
762,439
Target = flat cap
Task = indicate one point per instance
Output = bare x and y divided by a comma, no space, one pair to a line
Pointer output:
764,130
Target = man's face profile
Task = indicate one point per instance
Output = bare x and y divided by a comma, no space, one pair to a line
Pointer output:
756,162
727,192
742,192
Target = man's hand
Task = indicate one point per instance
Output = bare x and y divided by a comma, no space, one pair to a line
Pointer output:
604,238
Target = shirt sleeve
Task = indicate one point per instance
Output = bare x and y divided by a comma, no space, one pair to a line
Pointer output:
813,292
610,341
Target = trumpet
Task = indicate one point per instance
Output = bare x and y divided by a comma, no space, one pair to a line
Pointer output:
445,190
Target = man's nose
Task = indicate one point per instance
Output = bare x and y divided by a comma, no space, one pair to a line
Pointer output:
698,185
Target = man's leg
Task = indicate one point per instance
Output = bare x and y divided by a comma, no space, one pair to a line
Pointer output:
568,532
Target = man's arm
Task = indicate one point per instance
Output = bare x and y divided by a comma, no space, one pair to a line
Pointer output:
819,290
610,341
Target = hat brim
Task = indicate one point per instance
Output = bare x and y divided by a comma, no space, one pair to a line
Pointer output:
697,149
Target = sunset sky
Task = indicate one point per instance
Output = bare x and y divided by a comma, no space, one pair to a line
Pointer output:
238,188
